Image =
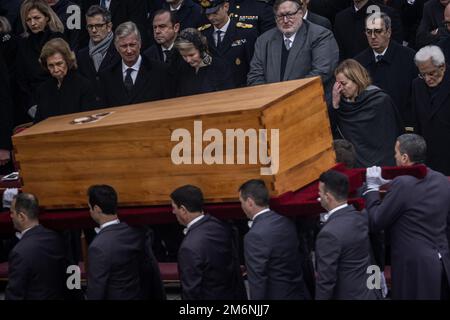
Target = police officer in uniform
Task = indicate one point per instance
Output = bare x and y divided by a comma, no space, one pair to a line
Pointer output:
232,41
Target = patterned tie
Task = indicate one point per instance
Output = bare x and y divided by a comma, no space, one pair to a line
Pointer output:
128,80
287,43
219,38
379,57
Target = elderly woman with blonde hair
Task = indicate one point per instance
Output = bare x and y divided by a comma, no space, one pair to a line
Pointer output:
66,91
200,72
365,115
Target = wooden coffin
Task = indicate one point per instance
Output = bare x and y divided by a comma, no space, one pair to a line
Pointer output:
132,148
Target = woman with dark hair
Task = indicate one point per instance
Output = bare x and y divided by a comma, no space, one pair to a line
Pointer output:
66,91
199,73
365,115
41,24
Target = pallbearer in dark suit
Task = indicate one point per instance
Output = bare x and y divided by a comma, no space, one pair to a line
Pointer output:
37,265
416,213
232,41
101,52
208,260
121,263
342,245
135,78
271,248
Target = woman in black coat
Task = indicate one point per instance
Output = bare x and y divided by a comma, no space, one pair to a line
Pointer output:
365,115
66,91
41,25
199,72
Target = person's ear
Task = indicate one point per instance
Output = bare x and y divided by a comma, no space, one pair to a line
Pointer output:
176,27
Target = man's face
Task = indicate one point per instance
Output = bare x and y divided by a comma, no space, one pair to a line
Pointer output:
431,74
15,216
377,35
220,17
129,48
57,66
323,196
289,18
97,28
180,213
163,30
245,205
36,21
399,158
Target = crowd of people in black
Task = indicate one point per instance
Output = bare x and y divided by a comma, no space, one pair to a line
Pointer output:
383,65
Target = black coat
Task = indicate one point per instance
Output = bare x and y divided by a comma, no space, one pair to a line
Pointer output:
86,67
189,15
236,49
273,261
394,74
328,8
121,266
343,256
414,212
152,83
214,77
255,12
372,124
30,73
432,109
444,44
6,120
349,29
37,267
75,95
433,15
208,263
317,19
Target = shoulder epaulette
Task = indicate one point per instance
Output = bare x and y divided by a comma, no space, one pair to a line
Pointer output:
204,27
244,25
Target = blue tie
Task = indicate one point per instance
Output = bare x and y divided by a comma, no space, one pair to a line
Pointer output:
103,4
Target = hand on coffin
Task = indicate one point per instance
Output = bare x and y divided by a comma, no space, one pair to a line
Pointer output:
4,157
374,180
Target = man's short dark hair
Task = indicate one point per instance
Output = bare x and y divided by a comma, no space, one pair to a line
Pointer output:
28,204
414,146
103,196
279,2
98,10
189,196
173,17
335,183
257,190
345,152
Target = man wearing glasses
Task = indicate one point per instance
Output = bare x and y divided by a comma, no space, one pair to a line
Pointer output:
101,52
390,65
295,49
431,101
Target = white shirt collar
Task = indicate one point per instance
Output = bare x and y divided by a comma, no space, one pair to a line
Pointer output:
177,8
135,66
305,16
190,224
225,26
250,222
107,4
107,224
292,38
377,54
169,48
328,215
20,235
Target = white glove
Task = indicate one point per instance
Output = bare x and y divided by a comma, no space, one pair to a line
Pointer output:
374,179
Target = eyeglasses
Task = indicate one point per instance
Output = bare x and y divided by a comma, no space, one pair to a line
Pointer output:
96,26
430,74
289,16
376,32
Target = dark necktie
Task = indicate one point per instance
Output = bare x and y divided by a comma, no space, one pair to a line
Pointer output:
379,57
128,80
219,38
167,55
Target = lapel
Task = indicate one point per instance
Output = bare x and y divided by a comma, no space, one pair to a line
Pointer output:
297,46
209,37
228,38
275,55
108,59
141,81
118,78
439,100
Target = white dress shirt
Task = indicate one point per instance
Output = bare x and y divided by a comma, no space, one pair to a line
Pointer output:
135,68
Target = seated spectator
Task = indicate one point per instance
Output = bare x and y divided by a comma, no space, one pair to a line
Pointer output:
134,78
67,91
37,264
365,115
201,73
101,53
41,24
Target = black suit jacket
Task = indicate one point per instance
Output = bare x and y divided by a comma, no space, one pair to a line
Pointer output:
189,15
317,19
394,74
415,212
86,67
272,257
343,256
208,262
37,267
121,266
236,49
152,83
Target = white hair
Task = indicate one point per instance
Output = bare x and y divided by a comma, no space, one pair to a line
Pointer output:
430,52
125,29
